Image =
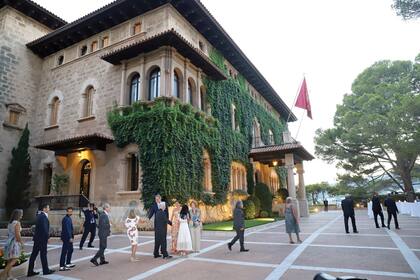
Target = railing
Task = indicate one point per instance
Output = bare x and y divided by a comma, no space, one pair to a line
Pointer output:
61,202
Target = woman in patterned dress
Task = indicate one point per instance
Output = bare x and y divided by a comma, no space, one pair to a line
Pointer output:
14,244
195,227
291,220
132,233
175,226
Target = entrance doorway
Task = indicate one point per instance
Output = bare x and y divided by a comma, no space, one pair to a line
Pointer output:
85,178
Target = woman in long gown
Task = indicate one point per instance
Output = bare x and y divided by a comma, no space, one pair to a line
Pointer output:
132,233
175,226
195,226
14,244
184,243
291,220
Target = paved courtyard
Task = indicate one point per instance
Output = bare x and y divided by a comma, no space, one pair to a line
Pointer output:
373,254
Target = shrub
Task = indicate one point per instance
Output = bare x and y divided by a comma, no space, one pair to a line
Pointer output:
257,204
263,193
264,214
283,193
249,209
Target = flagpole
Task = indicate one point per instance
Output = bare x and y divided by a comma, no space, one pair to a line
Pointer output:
300,123
294,101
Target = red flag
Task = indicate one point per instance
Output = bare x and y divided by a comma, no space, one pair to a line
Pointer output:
303,99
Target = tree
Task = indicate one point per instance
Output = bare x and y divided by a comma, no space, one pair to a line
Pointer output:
408,9
19,175
376,130
314,190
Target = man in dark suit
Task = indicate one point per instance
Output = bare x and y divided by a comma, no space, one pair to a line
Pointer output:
238,226
347,205
67,237
104,230
161,226
325,204
152,212
41,236
89,225
377,209
392,210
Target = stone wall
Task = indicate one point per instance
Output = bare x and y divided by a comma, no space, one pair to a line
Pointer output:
19,77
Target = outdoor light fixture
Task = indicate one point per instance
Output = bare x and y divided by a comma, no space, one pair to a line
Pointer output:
275,163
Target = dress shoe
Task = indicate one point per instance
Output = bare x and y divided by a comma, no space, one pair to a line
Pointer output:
32,273
64,268
167,257
355,231
80,248
51,271
398,228
91,246
244,250
347,232
229,247
70,265
94,262
157,256
104,262
383,225
377,226
388,227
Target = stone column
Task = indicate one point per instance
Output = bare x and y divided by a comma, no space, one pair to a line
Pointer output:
303,202
144,81
197,99
123,82
185,82
291,187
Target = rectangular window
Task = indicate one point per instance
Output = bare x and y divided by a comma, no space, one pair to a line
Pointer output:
13,117
105,41
133,173
94,46
47,178
137,28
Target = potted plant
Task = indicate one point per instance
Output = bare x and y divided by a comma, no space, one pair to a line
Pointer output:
60,183
19,269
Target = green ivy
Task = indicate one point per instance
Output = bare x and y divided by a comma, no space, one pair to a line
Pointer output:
172,137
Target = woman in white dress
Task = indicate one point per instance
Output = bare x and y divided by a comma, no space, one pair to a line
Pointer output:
132,232
184,243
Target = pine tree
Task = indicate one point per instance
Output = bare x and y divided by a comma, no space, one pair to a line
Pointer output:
19,175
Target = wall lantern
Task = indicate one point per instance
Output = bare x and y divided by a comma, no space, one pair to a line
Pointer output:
275,163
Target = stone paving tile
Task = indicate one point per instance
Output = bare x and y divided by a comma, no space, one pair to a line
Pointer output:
294,274
148,248
367,259
280,237
267,254
412,242
355,240
206,270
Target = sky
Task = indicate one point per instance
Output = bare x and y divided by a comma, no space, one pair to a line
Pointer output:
328,41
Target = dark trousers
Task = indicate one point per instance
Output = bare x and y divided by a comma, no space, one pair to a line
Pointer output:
390,215
239,235
160,243
89,228
102,247
39,247
353,222
375,215
66,252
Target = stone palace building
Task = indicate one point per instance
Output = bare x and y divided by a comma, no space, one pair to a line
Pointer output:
62,79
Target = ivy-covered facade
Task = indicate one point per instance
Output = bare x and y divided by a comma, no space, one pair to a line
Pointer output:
158,100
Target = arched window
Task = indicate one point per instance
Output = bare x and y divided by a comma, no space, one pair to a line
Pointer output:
234,116
270,137
190,92
207,172
55,104
238,180
176,84
256,135
134,89
154,84
88,102
202,99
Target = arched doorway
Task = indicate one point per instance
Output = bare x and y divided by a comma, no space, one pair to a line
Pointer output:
85,178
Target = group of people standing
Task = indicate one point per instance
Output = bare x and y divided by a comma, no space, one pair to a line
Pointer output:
185,225
347,206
